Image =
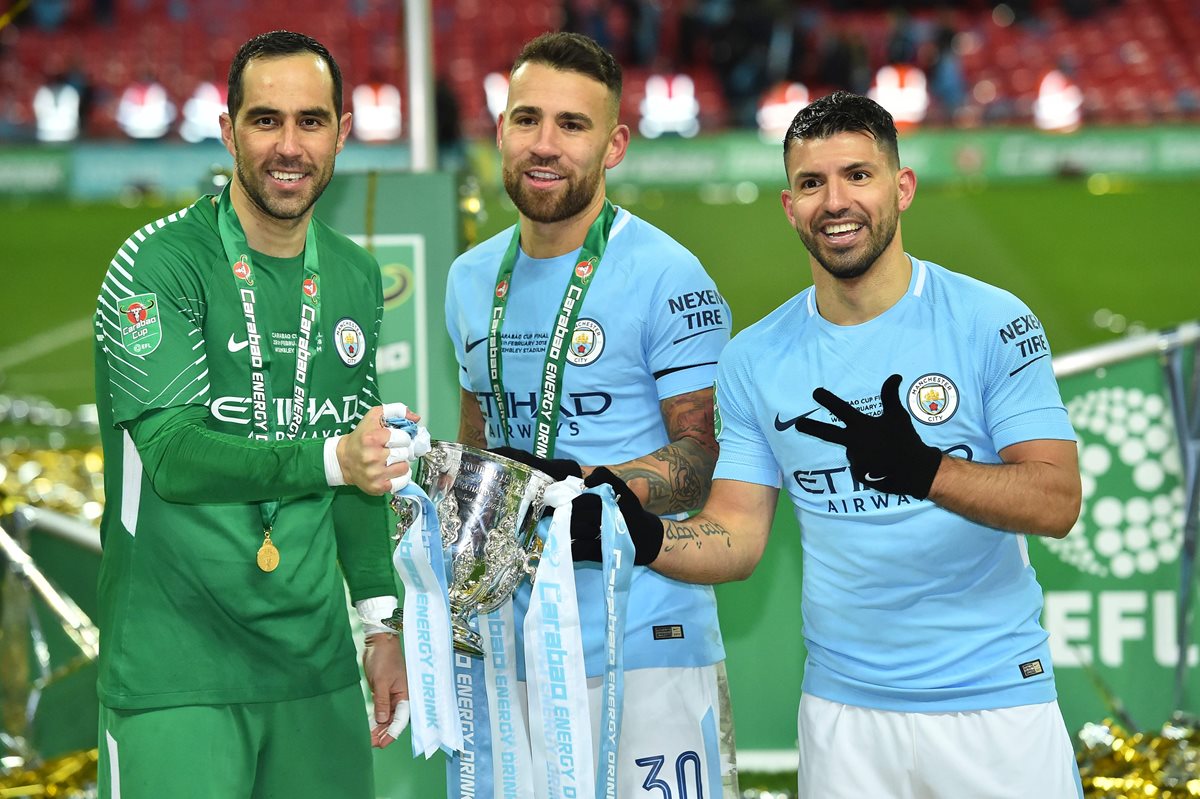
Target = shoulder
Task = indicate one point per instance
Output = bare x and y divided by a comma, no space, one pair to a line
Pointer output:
634,239
484,257
187,237
781,327
344,249
970,301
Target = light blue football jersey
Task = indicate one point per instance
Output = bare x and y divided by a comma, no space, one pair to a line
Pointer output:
905,606
651,328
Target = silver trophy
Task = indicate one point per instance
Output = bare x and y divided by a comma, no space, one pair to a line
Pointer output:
488,507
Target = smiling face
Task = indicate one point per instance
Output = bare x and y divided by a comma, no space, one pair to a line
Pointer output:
844,201
286,135
557,137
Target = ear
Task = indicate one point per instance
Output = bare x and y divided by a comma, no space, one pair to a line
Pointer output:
499,131
906,183
618,144
227,134
343,131
785,197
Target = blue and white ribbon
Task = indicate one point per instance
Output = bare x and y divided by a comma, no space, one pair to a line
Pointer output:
618,551
512,765
427,637
559,721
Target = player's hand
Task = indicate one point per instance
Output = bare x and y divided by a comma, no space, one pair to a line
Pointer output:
387,677
885,451
368,454
557,468
645,529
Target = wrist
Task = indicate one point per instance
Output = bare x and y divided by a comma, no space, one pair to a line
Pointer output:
333,467
372,612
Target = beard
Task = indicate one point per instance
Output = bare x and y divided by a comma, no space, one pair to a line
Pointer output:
287,207
856,262
545,207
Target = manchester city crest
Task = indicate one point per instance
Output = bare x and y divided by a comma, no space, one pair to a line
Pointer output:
933,398
587,342
349,340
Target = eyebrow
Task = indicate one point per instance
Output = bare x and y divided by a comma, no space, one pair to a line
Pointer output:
565,116
854,167
267,111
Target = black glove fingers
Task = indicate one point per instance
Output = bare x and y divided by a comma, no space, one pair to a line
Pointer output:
836,405
827,432
890,395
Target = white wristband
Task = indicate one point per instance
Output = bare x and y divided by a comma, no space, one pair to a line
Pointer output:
372,612
333,469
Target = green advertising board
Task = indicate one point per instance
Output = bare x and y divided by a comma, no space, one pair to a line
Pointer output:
1113,585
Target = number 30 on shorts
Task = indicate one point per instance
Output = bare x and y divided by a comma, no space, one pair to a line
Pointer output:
688,782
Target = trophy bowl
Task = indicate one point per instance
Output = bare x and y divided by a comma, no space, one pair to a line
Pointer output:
488,507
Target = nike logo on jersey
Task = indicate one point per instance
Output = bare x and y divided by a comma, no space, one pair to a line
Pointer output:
473,344
781,426
870,478
235,345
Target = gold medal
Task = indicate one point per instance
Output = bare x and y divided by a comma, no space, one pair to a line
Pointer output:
268,555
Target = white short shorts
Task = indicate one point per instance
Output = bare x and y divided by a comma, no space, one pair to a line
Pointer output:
676,730
848,752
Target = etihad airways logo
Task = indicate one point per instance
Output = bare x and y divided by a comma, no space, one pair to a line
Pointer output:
327,410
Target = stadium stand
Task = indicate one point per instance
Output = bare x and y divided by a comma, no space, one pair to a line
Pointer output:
1136,61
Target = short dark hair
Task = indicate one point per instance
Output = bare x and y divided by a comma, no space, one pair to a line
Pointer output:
843,112
573,52
275,45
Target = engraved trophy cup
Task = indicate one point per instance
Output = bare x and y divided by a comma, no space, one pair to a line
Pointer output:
488,507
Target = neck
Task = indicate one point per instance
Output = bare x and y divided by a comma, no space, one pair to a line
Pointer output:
861,299
279,238
551,239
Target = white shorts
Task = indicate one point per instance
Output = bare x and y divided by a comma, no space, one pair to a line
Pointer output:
847,752
668,739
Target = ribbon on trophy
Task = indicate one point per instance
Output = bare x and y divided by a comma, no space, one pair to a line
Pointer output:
556,676
512,765
420,562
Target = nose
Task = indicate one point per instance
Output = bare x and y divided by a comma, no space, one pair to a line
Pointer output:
546,145
288,143
837,198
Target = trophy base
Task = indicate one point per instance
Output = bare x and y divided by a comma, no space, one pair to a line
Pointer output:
465,639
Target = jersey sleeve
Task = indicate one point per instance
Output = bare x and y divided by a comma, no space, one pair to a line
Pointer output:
360,522
1020,392
745,452
454,322
689,326
150,314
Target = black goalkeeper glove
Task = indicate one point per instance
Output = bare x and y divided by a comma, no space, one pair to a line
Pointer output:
645,529
556,468
885,451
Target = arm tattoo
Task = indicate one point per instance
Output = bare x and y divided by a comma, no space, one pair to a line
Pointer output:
678,535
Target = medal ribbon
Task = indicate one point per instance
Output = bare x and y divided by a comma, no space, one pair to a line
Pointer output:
546,413
237,254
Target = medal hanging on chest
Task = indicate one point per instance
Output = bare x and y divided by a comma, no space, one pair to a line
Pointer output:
237,254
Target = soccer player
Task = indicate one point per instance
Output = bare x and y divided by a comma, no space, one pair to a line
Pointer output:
633,383
913,417
244,462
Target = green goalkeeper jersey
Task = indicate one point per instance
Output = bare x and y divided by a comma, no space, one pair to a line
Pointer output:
187,616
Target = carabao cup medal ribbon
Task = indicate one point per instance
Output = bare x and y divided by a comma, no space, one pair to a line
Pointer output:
618,550
420,561
512,764
559,719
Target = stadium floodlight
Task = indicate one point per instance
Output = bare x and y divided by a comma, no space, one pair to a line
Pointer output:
669,106
778,107
903,91
376,112
1059,103
495,89
145,111
56,106
202,113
